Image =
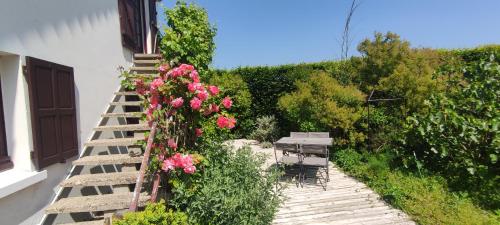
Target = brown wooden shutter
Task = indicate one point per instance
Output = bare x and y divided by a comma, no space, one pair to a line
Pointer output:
53,111
130,24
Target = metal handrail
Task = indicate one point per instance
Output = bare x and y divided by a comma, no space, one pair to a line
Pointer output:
142,171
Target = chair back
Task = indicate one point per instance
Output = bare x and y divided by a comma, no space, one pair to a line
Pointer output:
298,134
319,134
314,149
286,147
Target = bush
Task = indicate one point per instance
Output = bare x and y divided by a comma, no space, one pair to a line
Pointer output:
425,198
460,135
322,104
154,214
188,37
235,86
265,130
233,189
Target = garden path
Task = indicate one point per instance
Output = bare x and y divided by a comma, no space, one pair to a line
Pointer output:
342,200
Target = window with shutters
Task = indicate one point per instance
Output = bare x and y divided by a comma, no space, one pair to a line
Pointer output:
53,111
130,24
5,162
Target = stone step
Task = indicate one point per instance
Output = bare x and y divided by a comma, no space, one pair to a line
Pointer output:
143,68
131,103
100,179
126,93
107,160
127,115
95,203
93,222
126,127
146,56
144,61
113,142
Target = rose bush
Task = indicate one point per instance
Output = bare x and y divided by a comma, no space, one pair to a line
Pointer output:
179,103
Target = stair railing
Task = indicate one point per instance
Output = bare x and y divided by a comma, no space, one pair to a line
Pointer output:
142,171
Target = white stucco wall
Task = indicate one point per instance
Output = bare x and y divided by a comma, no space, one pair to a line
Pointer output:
84,35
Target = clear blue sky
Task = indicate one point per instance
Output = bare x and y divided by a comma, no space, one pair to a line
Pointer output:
273,32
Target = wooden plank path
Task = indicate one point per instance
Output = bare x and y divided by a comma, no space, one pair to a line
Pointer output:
343,200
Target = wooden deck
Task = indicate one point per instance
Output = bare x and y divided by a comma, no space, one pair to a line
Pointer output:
342,200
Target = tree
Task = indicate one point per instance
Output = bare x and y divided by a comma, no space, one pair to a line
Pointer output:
381,57
189,37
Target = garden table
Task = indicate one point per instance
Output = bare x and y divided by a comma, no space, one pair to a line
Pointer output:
305,141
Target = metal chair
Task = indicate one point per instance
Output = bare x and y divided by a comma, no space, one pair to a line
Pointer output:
288,159
315,156
299,134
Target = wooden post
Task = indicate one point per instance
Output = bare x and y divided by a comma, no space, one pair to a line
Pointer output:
144,166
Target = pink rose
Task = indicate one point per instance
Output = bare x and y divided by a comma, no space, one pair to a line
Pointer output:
156,83
186,67
163,68
227,102
192,87
214,90
202,95
198,132
195,103
168,164
177,102
213,108
190,169
222,122
195,76
186,161
154,100
231,123
172,144
176,72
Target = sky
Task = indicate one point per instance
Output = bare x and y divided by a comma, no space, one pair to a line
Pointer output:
274,32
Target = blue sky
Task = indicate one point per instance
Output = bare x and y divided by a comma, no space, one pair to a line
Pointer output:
273,32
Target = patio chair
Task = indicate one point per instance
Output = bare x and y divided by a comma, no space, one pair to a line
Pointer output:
315,156
298,134
287,159
318,134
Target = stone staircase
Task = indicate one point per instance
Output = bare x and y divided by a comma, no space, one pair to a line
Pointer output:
102,180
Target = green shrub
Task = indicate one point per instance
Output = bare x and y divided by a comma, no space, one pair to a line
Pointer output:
265,129
233,189
425,198
321,104
235,86
460,135
189,37
154,214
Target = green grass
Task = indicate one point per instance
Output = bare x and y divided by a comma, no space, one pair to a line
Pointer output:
426,198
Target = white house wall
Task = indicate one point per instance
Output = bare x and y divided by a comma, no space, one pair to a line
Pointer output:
84,35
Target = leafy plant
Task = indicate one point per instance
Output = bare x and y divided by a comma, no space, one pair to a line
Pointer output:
426,198
189,36
232,190
460,135
234,86
265,130
322,104
153,214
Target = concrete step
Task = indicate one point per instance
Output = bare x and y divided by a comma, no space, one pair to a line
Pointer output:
131,103
146,56
107,160
126,127
125,93
94,203
143,68
146,61
93,222
100,179
113,142
125,115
